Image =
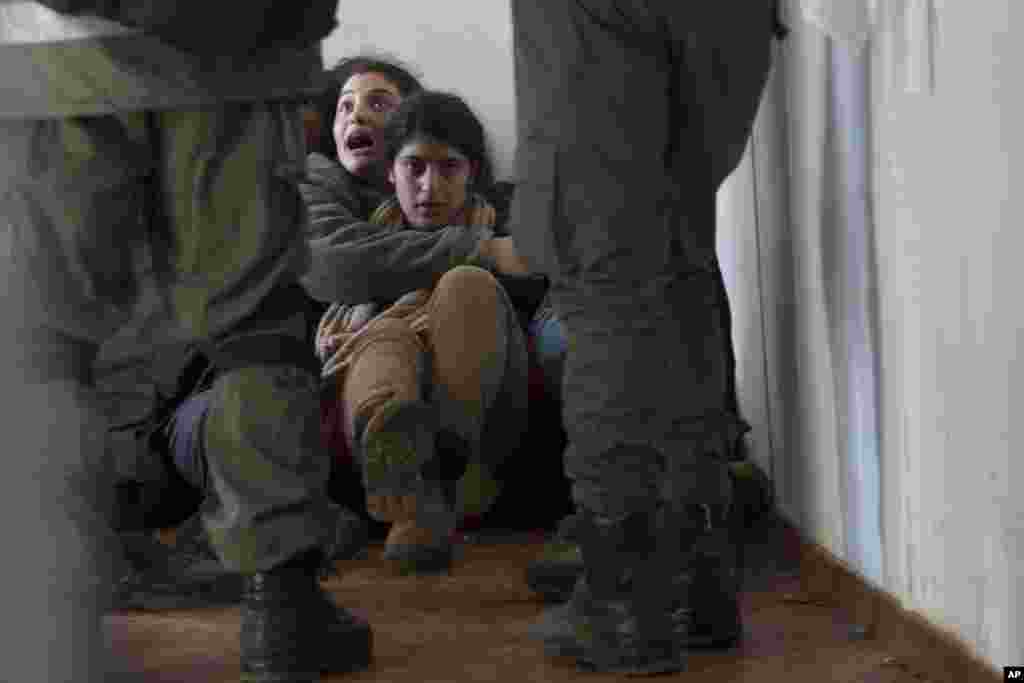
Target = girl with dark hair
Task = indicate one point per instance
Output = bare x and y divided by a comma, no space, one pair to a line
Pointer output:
401,82
423,341
345,180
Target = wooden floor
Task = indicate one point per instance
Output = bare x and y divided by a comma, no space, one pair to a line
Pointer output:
472,626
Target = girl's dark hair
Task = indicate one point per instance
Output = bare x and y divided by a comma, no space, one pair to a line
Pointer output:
327,103
446,118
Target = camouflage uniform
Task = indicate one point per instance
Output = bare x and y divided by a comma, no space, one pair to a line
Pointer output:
630,115
616,203
147,189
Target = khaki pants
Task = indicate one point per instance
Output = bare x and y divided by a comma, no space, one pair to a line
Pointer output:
459,346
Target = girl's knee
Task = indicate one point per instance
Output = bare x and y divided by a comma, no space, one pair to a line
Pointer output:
463,281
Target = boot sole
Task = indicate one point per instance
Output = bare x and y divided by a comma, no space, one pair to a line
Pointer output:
584,662
715,641
570,648
349,651
554,582
413,419
627,668
280,678
559,641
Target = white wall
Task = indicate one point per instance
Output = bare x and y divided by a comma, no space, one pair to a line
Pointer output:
949,242
467,50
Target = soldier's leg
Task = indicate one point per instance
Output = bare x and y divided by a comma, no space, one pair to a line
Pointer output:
71,206
231,216
186,573
554,573
267,469
645,411
269,518
236,218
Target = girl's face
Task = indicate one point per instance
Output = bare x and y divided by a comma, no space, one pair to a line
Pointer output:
432,181
365,103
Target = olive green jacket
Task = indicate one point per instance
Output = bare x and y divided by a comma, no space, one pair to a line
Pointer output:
57,65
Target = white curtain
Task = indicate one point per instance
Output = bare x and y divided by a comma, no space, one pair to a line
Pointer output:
870,248
823,218
850,285
796,254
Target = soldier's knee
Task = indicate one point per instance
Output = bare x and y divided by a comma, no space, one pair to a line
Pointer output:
254,404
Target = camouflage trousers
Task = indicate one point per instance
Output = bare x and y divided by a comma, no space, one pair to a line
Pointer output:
646,365
175,225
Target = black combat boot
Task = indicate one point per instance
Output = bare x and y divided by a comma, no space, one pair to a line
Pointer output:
554,574
703,595
292,632
623,617
713,578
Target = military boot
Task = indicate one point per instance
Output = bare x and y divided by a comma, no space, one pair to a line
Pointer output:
553,575
291,632
711,579
187,574
704,591
623,617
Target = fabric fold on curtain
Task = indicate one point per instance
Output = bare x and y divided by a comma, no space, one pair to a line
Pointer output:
847,244
910,24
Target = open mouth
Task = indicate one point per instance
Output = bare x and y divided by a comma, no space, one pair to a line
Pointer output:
360,141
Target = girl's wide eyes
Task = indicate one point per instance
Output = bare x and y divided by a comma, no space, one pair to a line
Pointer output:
378,104
452,166
414,166
382,104
447,167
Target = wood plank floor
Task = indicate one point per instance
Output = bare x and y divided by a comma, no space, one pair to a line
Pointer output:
471,625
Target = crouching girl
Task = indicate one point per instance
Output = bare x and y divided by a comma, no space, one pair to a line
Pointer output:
432,351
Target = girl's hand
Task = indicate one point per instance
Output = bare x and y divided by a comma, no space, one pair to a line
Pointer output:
502,252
